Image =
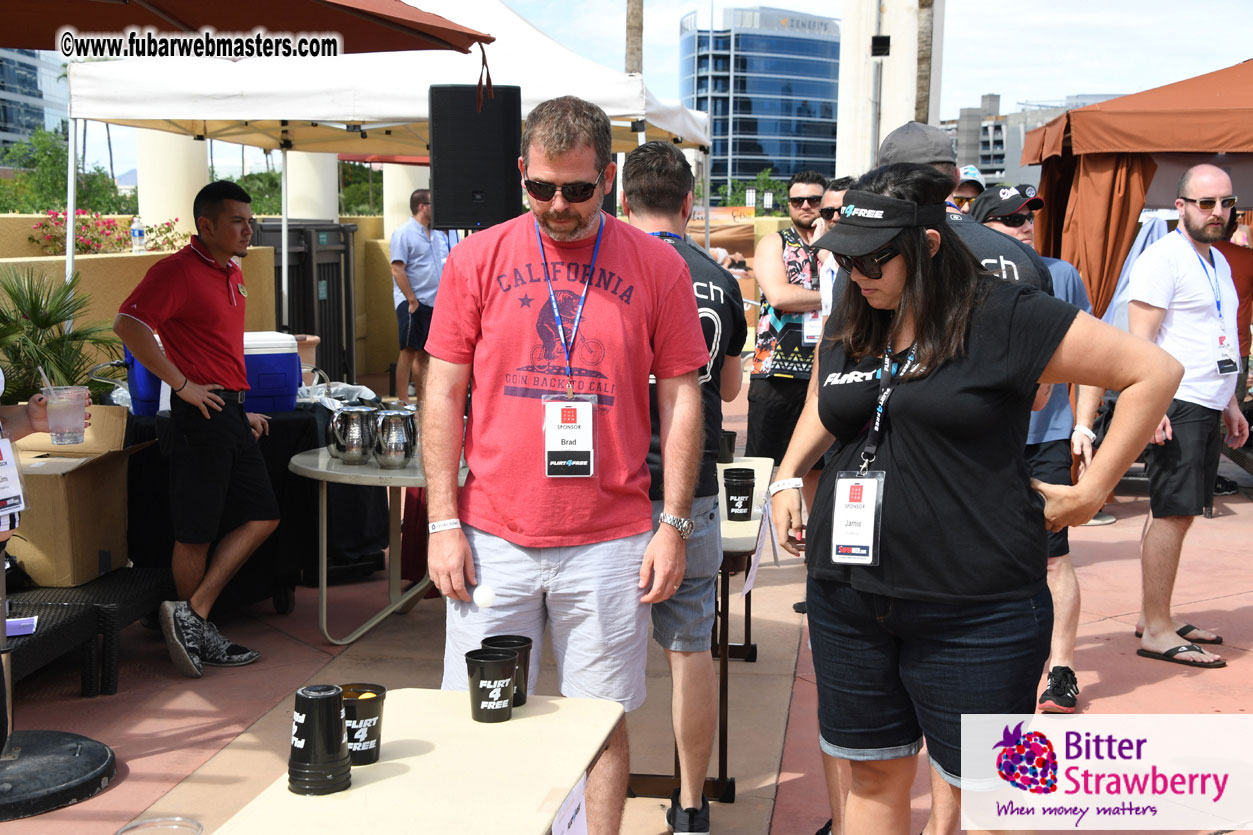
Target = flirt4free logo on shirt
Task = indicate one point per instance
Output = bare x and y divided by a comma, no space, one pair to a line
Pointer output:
1116,772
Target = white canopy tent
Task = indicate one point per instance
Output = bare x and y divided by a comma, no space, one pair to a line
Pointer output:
364,103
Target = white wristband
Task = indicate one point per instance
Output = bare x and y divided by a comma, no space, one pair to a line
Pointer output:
785,484
446,525
1086,431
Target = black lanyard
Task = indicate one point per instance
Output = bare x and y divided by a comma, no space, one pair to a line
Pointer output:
886,388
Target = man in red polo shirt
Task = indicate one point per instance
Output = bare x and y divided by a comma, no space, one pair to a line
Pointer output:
219,487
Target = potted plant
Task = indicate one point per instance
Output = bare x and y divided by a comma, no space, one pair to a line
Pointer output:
34,310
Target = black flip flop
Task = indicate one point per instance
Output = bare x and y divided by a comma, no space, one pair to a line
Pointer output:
1184,631
1169,655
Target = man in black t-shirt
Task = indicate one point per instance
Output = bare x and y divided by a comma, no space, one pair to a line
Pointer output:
657,198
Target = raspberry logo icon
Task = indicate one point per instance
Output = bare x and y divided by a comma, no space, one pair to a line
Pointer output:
1027,761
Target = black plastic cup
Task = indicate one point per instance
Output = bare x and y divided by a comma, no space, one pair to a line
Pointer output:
520,644
319,762
491,673
363,719
726,447
738,482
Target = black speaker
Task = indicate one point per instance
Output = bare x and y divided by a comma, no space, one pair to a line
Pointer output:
474,156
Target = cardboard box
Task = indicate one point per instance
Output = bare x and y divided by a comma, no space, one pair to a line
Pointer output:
74,527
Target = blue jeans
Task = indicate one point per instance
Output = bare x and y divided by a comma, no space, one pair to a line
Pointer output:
891,671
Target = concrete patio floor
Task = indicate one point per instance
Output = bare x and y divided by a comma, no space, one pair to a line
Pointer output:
206,748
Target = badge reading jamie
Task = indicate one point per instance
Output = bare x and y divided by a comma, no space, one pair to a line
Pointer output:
11,500
568,438
858,508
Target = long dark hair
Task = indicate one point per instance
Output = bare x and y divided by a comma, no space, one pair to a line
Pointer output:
940,290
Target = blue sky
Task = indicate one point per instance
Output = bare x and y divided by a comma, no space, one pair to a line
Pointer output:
1026,51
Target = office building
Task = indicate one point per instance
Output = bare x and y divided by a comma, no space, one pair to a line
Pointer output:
31,94
769,79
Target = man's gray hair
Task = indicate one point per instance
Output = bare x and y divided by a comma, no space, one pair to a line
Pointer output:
558,126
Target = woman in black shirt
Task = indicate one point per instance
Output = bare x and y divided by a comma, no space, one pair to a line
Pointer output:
926,542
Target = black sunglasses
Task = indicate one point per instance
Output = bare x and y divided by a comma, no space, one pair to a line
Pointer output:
573,192
1208,203
828,212
870,266
797,202
1015,220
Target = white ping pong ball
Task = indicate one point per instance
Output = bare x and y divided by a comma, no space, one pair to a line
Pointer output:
484,596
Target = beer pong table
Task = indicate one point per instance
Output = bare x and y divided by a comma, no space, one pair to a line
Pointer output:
440,771
321,465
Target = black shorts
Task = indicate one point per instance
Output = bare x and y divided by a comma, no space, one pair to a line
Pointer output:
774,406
413,327
1182,471
1050,462
218,479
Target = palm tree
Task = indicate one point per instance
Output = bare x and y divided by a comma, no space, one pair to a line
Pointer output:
33,315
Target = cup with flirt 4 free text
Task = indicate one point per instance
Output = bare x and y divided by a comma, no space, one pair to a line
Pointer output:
520,644
67,414
363,719
319,762
491,673
738,482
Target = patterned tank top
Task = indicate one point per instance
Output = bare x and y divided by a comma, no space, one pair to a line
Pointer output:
781,351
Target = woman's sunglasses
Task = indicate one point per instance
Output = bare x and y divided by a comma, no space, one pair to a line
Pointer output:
572,192
870,266
1015,220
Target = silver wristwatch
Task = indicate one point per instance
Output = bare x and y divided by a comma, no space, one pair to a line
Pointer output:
683,526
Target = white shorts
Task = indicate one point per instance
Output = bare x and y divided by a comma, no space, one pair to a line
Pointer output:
588,596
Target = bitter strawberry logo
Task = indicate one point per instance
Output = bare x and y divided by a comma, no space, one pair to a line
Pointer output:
1027,761
569,414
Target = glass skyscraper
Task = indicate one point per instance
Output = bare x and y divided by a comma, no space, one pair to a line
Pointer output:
769,80
31,95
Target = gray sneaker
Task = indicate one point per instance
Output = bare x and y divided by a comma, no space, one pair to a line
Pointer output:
218,651
183,629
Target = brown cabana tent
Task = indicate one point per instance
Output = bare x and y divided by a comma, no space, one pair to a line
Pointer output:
1099,164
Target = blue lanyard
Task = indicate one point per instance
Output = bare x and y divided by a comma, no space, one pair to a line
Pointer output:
552,299
664,234
1213,282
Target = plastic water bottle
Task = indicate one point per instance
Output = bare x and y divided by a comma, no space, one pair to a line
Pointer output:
137,237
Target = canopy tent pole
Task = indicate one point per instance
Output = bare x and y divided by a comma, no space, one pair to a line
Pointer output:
282,302
708,162
71,199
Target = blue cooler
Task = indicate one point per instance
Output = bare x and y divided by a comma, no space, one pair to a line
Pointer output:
273,371
145,387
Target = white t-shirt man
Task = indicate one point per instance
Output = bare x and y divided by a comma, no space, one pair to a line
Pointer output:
1171,275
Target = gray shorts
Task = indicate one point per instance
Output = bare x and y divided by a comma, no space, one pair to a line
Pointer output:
685,621
588,597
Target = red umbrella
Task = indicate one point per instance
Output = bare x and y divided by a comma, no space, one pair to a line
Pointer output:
364,25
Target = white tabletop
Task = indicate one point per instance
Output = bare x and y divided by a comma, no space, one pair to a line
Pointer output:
320,464
440,771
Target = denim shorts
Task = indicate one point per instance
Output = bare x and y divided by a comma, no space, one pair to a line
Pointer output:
588,597
891,671
685,621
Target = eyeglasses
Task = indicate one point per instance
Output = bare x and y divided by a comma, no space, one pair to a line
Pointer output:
870,266
828,212
573,192
1208,203
812,199
1015,220
961,201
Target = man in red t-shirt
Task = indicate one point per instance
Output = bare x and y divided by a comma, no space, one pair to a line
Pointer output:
560,316
218,482
1240,258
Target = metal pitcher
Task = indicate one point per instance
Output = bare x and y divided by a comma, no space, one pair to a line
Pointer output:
352,434
395,438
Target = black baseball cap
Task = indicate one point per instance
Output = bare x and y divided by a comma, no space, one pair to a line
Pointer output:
868,222
917,143
998,201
